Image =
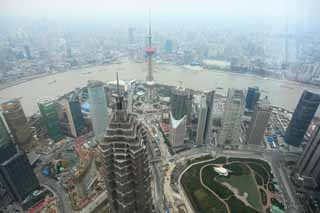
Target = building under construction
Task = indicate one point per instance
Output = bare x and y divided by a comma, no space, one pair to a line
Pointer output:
48,110
123,162
17,122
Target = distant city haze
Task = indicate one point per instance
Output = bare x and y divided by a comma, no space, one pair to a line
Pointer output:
246,13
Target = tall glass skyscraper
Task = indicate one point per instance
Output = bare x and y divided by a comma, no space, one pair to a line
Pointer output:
252,97
301,119
98,107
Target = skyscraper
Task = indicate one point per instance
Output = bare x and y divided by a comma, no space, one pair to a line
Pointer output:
180,103
209,118
17,122
252,97
177,131
123,162
308,165
27,52
259,122
302,117
98,107
16,173
4,135
202,121
229,133
49,114
70,115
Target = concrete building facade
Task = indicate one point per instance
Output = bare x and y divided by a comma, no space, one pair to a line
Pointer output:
229,133
308,165
259,122
178,130
17,122
4,135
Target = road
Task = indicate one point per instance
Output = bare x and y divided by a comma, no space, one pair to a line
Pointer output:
64,204
157,174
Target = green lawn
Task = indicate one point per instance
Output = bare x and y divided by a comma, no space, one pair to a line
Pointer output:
201,199
205,202
244,182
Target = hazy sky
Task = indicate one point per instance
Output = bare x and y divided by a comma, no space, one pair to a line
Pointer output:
248,10
136,7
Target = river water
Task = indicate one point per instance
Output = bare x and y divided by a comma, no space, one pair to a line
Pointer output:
280,92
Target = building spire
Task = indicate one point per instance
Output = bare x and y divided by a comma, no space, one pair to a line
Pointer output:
150,35
119,97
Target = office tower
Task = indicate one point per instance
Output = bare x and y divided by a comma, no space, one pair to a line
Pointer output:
98,108
180,103
209,118
17,122
16,173
123,161
252,98
229,133
259,122
4,135
177,131
168,46
202,121
50,118
302,117
70,115
308,164
27,52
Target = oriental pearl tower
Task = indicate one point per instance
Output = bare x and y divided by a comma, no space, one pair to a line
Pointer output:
150,80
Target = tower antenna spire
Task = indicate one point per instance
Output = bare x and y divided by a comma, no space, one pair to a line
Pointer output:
150,35
118,87
119,97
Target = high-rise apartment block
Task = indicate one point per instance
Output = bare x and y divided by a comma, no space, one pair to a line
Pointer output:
123,162
50,118
301,119
98,108
229,133
259,122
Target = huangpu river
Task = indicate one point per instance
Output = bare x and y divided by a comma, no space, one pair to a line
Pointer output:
280,92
